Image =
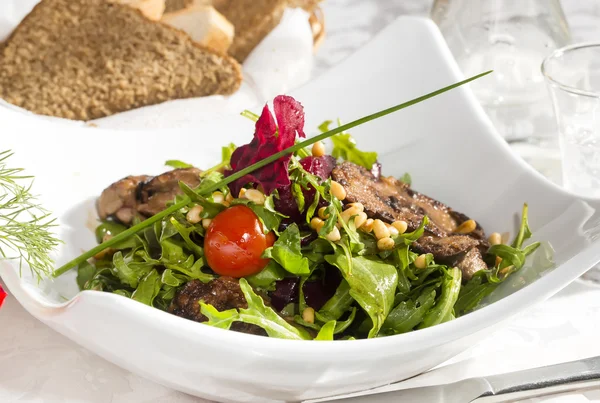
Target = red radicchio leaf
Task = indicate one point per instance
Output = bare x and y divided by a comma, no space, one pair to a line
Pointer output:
269,138
2,296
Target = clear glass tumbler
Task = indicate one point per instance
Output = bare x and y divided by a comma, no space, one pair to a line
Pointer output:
512,37
573,77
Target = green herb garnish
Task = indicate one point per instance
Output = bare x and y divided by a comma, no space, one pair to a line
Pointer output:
25,226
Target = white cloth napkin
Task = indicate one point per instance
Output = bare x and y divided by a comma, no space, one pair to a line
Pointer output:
282,61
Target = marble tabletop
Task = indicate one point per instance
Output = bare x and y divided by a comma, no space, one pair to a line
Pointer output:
72,374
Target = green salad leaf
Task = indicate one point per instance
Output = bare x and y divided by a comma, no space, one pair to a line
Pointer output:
326,332
257,314
344,147
372,283
337,305
409,314
445,305
266,278
148,288
287,252
177,164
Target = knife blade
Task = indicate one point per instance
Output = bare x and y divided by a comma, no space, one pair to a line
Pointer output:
540,381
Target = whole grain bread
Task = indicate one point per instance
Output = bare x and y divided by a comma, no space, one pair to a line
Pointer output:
87,59
253,20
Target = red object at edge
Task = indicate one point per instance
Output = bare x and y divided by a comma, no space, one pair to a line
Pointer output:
3,295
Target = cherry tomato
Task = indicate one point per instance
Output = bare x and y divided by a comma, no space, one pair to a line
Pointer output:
235,241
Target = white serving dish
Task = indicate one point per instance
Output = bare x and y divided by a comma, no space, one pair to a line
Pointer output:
447,144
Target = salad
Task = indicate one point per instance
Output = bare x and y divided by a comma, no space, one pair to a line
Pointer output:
311,246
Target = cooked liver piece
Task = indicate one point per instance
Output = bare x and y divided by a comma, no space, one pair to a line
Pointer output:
390,200
144,195
121,198
223,293
157,192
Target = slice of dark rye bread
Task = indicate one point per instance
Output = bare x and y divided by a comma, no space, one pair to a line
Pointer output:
87,59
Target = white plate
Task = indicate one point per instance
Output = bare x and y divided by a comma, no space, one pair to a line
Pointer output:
446,143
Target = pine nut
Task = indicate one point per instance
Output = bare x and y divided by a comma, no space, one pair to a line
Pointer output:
338,191
316,223
193,216
322,214
385,244
308,315
229,197
206,222
318,149
401,226
242,193
498,260
358,206
255,196
349,213
360,220
495,239
218,197
380,230
368,225
334,235
466,227
421,262
505,237
392,229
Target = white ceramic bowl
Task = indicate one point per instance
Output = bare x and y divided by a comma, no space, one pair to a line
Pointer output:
447,144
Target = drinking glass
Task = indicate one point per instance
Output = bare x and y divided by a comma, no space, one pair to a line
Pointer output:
512,37
573,77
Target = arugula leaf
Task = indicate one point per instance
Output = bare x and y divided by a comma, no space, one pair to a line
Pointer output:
129,272
287,251
372,283
192,271
472,293
172,251
226,152
337,305
409,237
85,272
209,208
266,278
172,279
222,320
344,147
177,164
341,326
260,315
185,232
406,179
148,288
445,305
408,314
524,230
326,332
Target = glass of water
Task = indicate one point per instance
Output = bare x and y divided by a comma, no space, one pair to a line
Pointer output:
512,37
573,77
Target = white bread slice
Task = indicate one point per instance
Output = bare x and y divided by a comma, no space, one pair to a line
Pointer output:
204,25
152,9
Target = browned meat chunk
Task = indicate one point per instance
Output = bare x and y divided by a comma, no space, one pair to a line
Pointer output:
157,192
144,195
223,293
390,200
121,198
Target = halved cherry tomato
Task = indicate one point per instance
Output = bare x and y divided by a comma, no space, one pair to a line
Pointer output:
235,241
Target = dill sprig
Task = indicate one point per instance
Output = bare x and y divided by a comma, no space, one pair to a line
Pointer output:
25,226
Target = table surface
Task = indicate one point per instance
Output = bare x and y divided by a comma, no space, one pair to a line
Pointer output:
39,365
